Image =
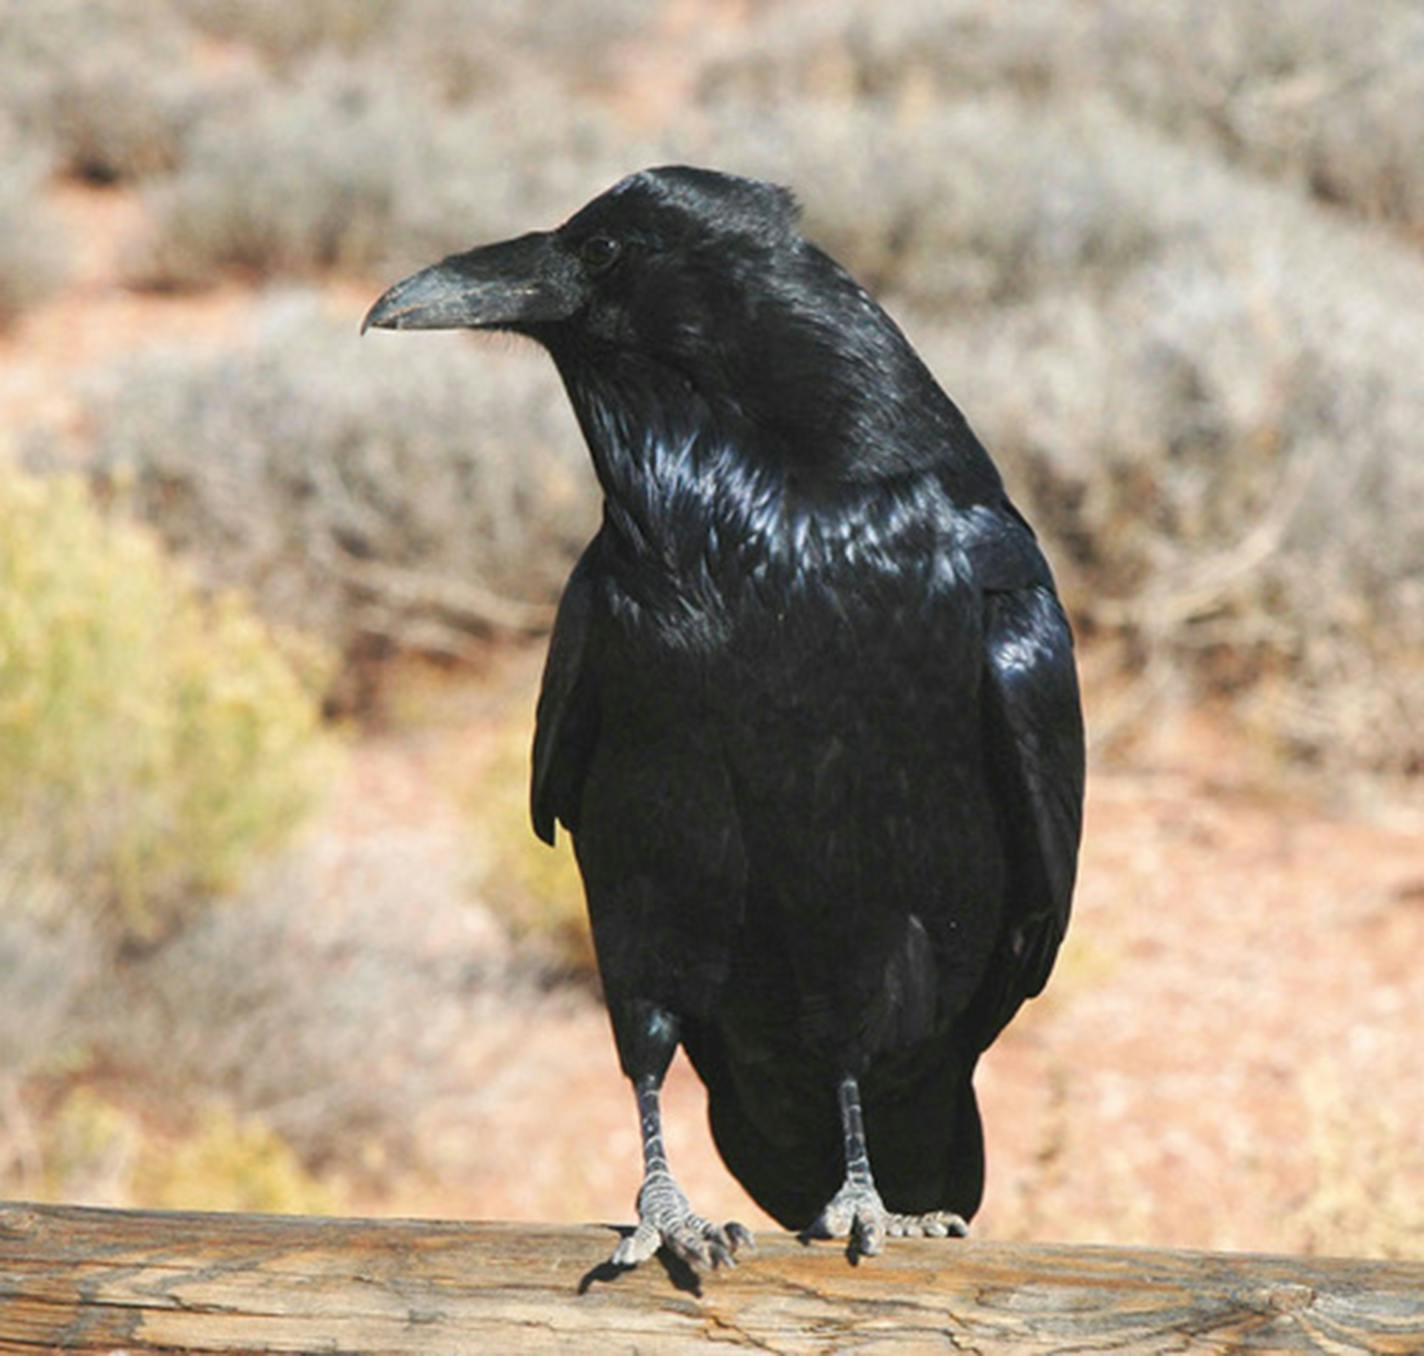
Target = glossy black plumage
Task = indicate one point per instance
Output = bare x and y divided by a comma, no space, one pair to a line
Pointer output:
810,710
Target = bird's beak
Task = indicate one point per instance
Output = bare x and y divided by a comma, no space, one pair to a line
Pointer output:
517,283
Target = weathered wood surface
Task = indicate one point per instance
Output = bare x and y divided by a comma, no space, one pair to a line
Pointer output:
137,1281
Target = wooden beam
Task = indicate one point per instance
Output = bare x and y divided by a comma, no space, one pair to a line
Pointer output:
87,1280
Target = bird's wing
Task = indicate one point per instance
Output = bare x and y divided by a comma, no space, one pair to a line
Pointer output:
1036,749
566,725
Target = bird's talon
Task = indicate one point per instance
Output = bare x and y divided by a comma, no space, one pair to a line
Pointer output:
868,1235
933,1224
665,1219
856,1213
739,1236
637,1247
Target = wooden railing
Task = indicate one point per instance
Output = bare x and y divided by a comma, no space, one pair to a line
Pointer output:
130,1281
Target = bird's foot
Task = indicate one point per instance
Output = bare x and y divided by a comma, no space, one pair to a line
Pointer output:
665,1219
855,1212
932,1224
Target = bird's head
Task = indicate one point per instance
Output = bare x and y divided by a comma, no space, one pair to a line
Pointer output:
658,263
683,282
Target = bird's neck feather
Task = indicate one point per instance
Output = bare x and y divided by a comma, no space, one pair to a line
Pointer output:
686,473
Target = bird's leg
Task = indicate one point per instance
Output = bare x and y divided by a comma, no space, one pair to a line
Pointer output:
856,1210
665,1218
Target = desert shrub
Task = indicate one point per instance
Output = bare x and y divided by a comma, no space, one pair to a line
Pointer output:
304,178
150,743
473,49
226,1162
1366,1159
101,1147
347,169
106,83
88,1151
1223,449
32,250
333,1015
284,32
841,50
450,48
972,204
1330,99
534,890
523,160
403,492
46,960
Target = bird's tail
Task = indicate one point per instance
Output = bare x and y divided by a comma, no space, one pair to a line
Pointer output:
926,1143
922,1129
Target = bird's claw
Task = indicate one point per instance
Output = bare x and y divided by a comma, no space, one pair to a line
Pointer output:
932,1224
855,1212
666,1219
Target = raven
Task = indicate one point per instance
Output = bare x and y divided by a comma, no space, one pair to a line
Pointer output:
810,712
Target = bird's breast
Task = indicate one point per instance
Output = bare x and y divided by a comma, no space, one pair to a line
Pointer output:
764,649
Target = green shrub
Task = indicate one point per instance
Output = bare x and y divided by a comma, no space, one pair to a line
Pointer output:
226,1162
87,1152
151,743
95,1146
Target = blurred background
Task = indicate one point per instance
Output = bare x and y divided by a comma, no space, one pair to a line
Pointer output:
274,933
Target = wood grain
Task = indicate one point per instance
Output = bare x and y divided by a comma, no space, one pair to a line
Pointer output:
88,1280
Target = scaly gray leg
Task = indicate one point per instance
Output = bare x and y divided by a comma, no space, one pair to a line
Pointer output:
665,1219
856,1210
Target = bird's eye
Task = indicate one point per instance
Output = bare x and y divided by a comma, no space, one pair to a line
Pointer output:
598,252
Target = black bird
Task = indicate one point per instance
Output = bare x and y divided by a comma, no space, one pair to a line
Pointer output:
810,710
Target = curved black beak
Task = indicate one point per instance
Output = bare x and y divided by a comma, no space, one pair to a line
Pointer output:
528,281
